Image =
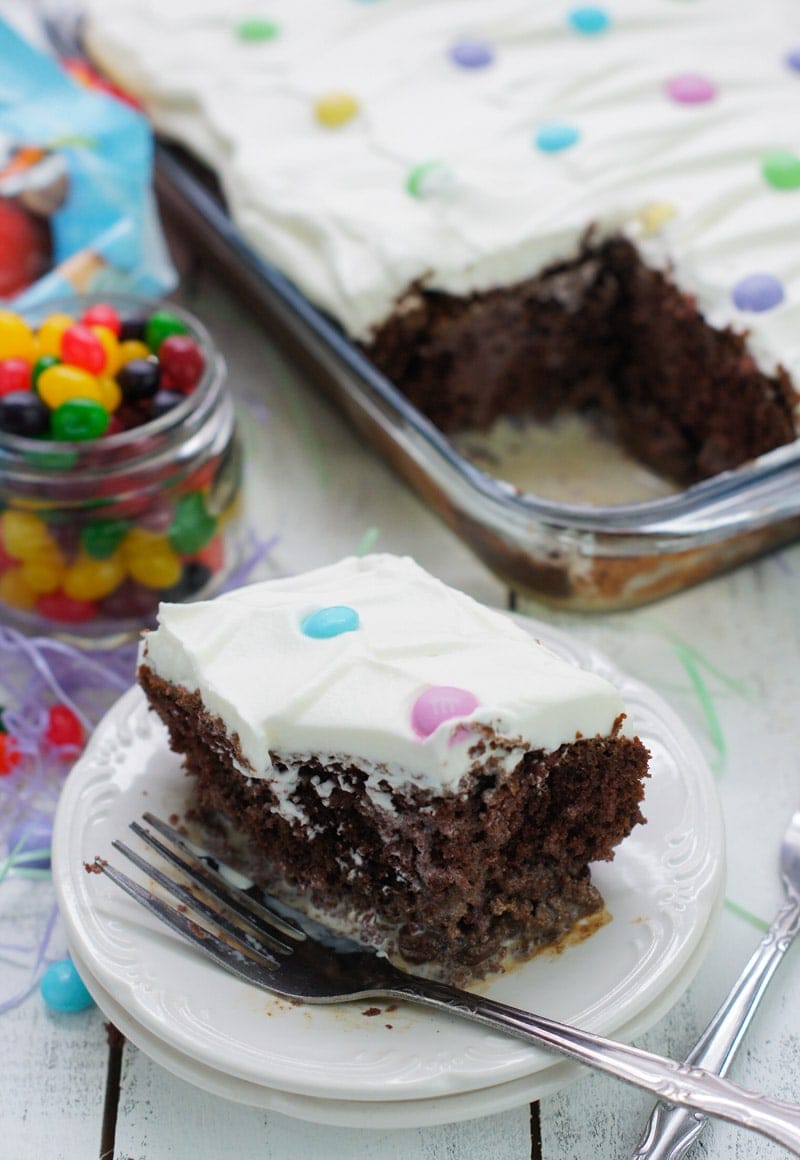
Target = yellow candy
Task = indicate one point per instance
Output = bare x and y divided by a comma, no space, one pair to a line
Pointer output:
24,534
90,579
110,393
44,571
132,348
150,559
50,332
15,592
16,337
59,383
652,218
109,343
335,109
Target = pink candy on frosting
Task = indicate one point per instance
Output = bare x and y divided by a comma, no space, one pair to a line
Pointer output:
440,703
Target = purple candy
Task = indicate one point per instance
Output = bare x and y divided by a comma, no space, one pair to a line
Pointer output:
471,54
757,292
440,703
793,59
33,834
691,89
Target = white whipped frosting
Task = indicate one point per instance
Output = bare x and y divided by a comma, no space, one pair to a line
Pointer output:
331,208
286,694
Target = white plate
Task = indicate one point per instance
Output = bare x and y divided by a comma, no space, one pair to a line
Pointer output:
662,889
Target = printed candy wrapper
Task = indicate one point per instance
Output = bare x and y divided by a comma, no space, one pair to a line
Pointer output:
77,211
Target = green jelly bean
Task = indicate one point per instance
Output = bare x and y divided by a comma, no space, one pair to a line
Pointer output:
192,526
160,325
79,419
101,539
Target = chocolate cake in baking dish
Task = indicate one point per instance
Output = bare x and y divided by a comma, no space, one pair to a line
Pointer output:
515,208
414,765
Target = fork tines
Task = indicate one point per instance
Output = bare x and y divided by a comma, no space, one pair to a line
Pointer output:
240,932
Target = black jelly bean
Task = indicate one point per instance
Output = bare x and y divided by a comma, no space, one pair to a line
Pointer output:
133,327
24,413
164,401
139,379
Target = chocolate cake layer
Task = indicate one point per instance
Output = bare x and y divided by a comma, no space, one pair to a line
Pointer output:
602,333
458,880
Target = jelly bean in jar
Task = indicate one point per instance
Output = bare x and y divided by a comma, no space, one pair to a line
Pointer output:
120,466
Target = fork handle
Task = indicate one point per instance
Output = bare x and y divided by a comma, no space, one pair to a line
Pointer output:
671,1131
674,1082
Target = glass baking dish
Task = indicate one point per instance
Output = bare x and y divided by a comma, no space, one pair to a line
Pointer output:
579,556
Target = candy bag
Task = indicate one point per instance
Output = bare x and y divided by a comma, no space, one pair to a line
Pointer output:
77,211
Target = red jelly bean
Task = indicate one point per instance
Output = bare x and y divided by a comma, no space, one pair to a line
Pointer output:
182,362
80,347
59,606
9,754
63,729
15,375
101,314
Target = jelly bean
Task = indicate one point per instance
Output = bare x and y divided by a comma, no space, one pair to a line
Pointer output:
131,348
164,401
194,577
781,169
160,325
24,534
44,572
110,393
79,419
133,328
139,379
15,375
80,347
42,363
91,579
63,729
16,337
192,527
471,54
150,559
757,293
29,842
24,413
335,109
101,314
59,383
108,341
15,592
555,137
254,29
182,362
131,601
63,989
324,623
438,704
589,20
58,606
691,89
10,755
102,538
49,334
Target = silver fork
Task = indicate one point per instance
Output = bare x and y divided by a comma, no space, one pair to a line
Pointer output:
671,1131
272,947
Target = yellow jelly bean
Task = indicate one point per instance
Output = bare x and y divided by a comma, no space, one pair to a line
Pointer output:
16,337
335,109
110,344
150,559
15,592
90,579
132,348
110,393
58,384
43,572
50,332
24,534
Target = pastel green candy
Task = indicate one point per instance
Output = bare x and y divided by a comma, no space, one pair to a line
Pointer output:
781,169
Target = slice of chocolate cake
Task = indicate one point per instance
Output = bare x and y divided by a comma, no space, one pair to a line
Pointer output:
405,760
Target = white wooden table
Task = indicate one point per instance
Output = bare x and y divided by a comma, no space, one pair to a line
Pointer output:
725,655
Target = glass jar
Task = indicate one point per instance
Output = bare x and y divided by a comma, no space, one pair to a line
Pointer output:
95,533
